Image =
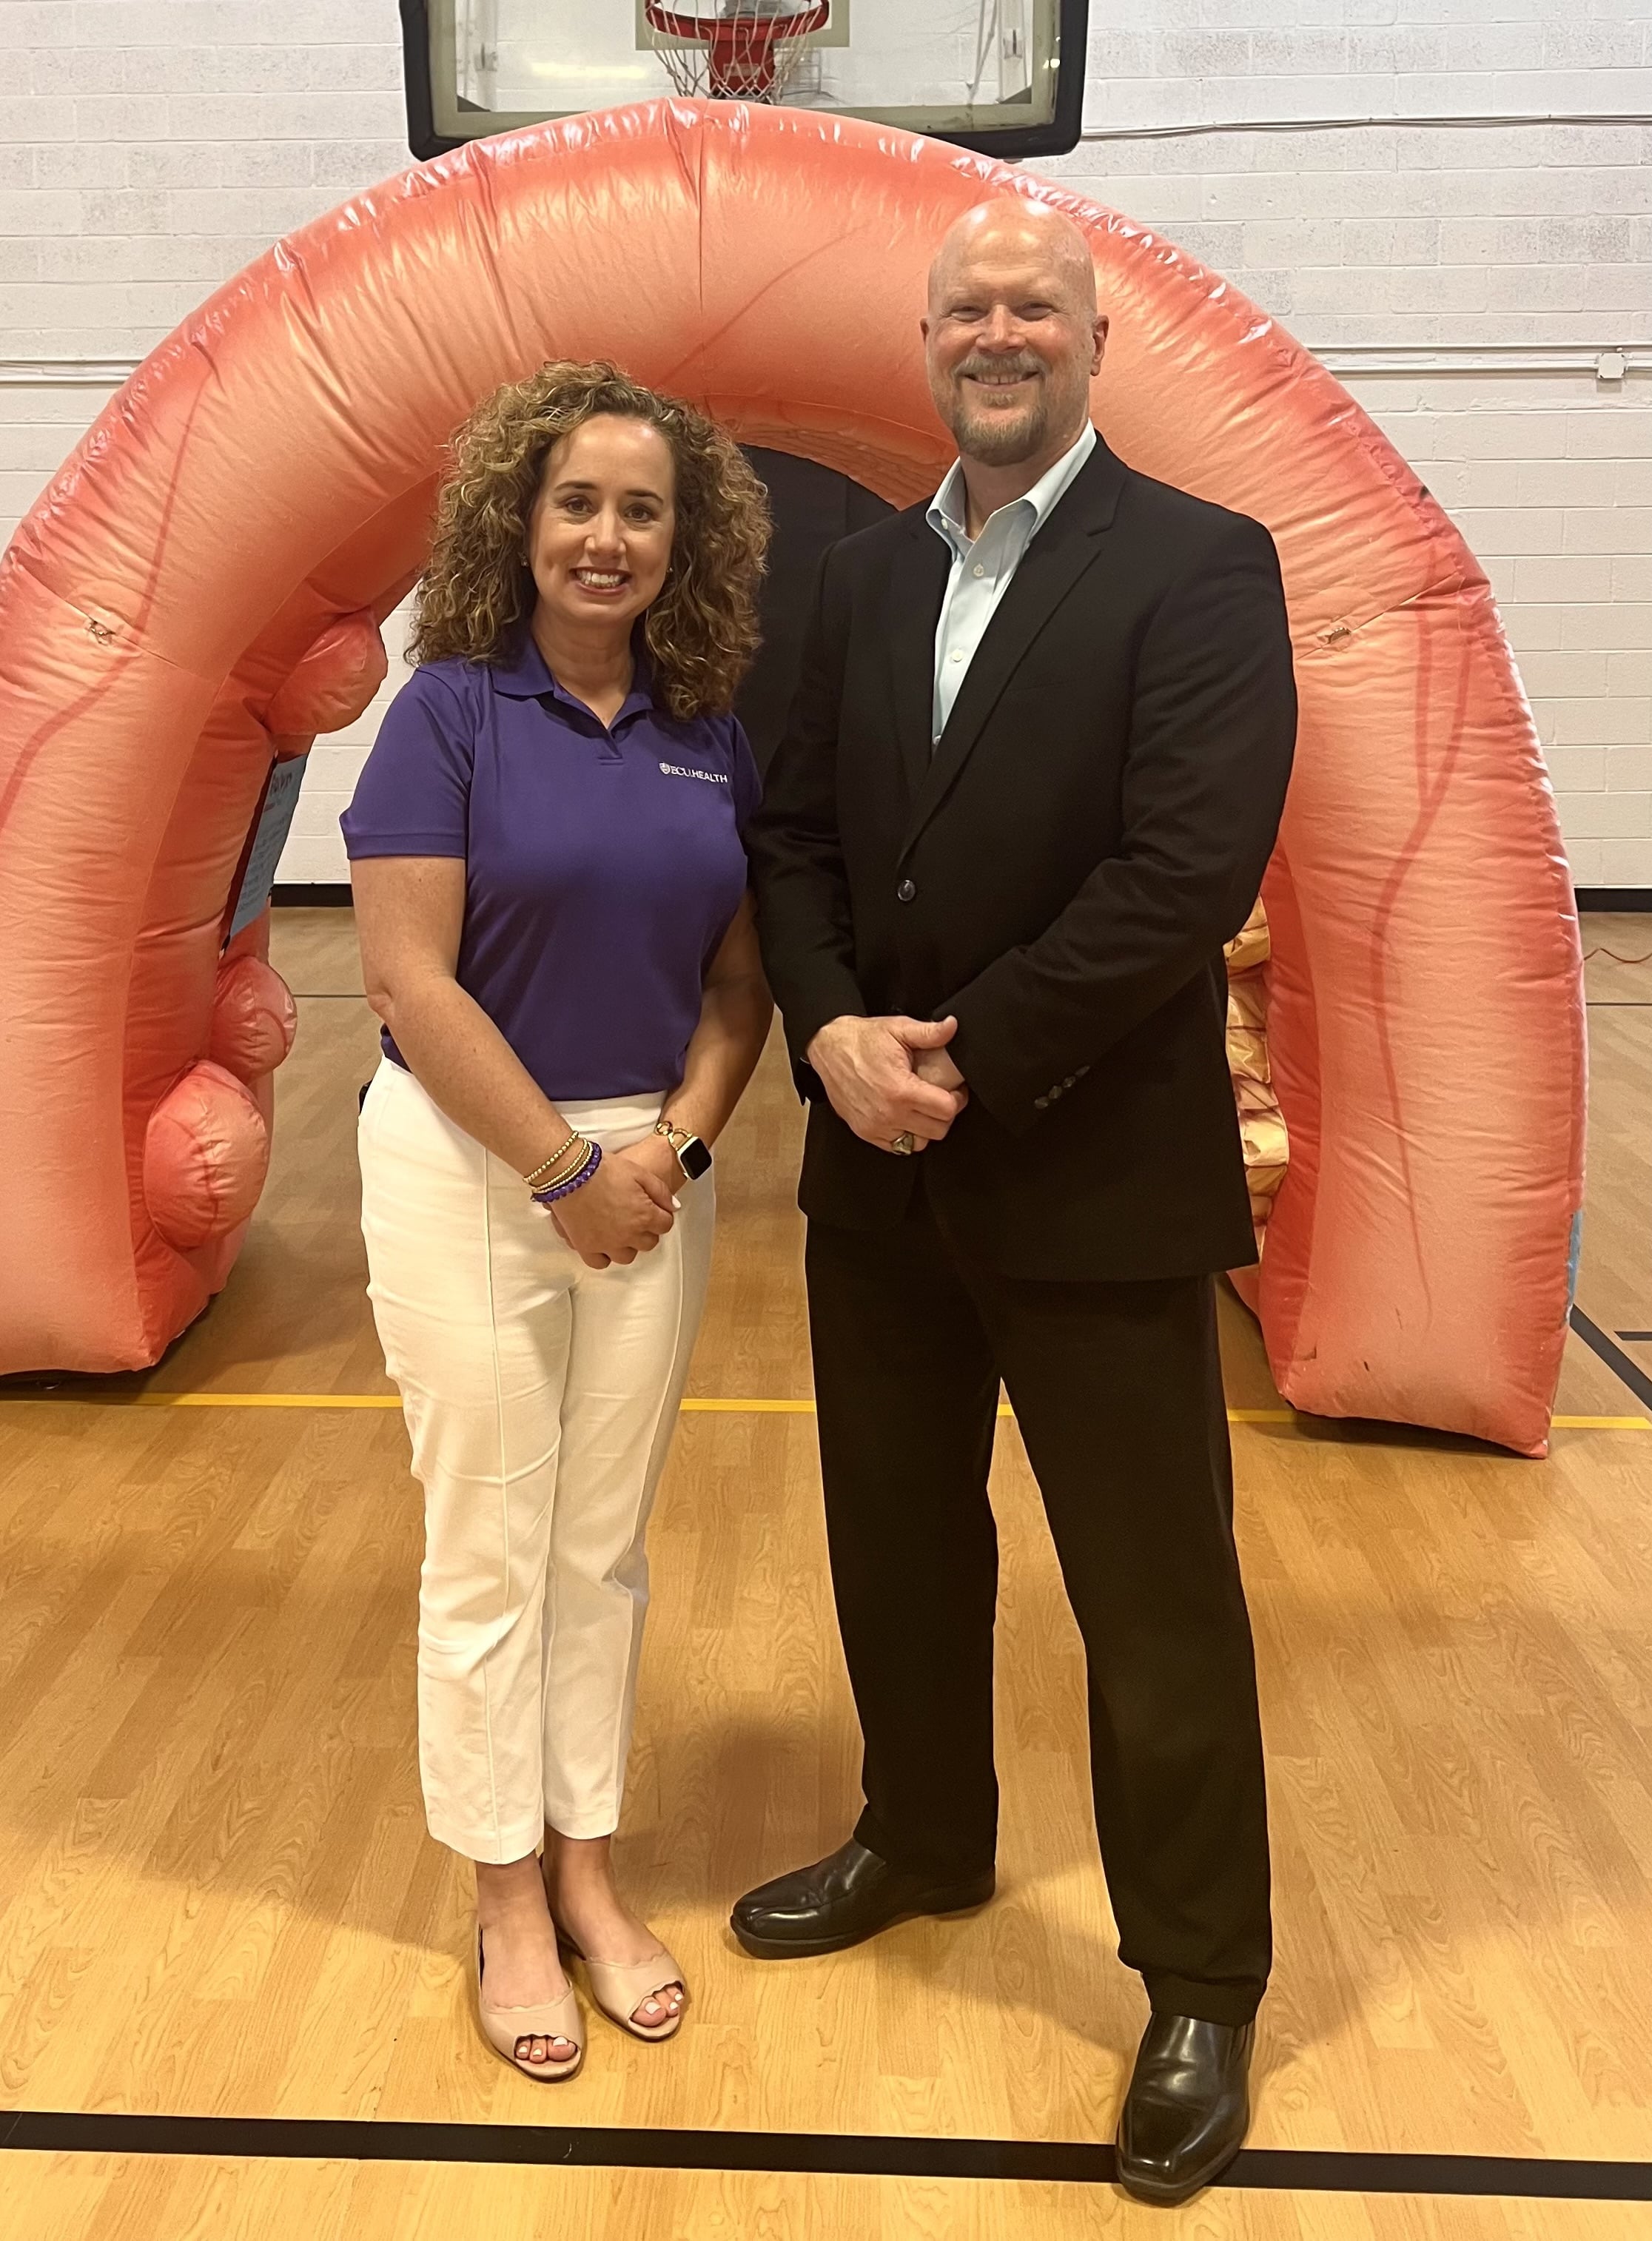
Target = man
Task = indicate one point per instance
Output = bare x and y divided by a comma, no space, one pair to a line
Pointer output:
1033,777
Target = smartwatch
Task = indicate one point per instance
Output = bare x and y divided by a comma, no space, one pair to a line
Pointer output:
693,1157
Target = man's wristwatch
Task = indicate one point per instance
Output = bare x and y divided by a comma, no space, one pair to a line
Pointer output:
692,1156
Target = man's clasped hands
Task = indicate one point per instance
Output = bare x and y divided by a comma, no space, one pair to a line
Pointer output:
891,1078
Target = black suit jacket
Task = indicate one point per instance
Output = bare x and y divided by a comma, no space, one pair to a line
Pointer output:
1062,871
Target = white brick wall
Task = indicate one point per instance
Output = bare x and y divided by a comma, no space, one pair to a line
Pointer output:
148,148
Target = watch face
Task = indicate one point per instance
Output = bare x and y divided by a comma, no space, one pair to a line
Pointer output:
696,1158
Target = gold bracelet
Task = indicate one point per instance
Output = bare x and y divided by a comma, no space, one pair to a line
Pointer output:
561,1174
563,1147
578,1153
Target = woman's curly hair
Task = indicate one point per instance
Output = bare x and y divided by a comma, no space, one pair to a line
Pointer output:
701,630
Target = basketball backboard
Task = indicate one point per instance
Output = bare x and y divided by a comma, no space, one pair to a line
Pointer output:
1005,77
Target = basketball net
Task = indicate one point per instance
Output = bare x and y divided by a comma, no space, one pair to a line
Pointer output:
743,51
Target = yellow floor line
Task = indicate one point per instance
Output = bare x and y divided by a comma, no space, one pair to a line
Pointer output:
693,1406
748,1408
253,1399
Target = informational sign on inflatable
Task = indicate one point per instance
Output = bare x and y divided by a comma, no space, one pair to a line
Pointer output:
269,837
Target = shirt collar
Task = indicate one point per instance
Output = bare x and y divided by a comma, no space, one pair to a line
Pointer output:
948,509
522,673
521,670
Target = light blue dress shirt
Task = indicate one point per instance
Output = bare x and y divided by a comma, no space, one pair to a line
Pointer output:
983,571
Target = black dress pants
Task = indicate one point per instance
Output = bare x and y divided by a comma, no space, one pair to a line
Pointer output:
1117,1389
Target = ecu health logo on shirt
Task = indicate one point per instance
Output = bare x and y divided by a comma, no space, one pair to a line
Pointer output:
687,770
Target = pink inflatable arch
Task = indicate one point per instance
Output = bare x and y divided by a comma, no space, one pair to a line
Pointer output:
199,590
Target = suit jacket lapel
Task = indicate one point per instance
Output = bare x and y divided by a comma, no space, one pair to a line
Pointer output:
914,614
1052,565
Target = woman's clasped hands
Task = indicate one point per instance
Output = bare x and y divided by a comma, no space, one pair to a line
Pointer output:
625,1208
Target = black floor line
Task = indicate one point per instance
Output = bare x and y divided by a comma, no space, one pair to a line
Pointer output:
1638,1338
1628,1373
825,2154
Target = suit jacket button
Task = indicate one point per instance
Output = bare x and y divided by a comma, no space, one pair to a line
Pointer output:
1068,1083
906,892
1055,1090
1041,1104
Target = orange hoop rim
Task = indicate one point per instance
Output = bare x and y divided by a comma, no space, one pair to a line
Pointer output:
744,51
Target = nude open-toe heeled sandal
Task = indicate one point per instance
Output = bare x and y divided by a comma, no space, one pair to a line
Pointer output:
619,1989
504,2028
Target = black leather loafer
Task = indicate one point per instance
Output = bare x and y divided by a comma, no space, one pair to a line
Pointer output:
1188,2111
840,1900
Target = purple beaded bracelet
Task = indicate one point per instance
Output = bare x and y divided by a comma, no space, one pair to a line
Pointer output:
575,1182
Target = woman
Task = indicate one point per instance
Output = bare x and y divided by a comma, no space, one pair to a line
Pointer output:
551,895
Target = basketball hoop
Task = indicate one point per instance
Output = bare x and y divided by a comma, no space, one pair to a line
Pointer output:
743,50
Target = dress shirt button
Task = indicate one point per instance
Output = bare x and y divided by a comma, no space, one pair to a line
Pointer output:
1041,1104
905,893
979,571
958,653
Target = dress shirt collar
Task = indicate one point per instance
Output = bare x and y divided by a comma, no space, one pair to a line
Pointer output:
948,512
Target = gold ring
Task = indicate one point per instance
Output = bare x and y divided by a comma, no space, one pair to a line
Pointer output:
904,1145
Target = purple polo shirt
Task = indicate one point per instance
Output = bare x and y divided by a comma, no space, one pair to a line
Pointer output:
603,863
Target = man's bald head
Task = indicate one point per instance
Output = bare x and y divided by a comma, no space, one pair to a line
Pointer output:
1012,335
1011,228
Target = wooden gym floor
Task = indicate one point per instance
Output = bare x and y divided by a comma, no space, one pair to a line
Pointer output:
218,1899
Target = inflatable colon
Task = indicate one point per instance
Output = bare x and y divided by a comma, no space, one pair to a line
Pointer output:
197,594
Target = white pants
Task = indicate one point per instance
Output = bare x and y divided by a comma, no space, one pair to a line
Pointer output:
541,1397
